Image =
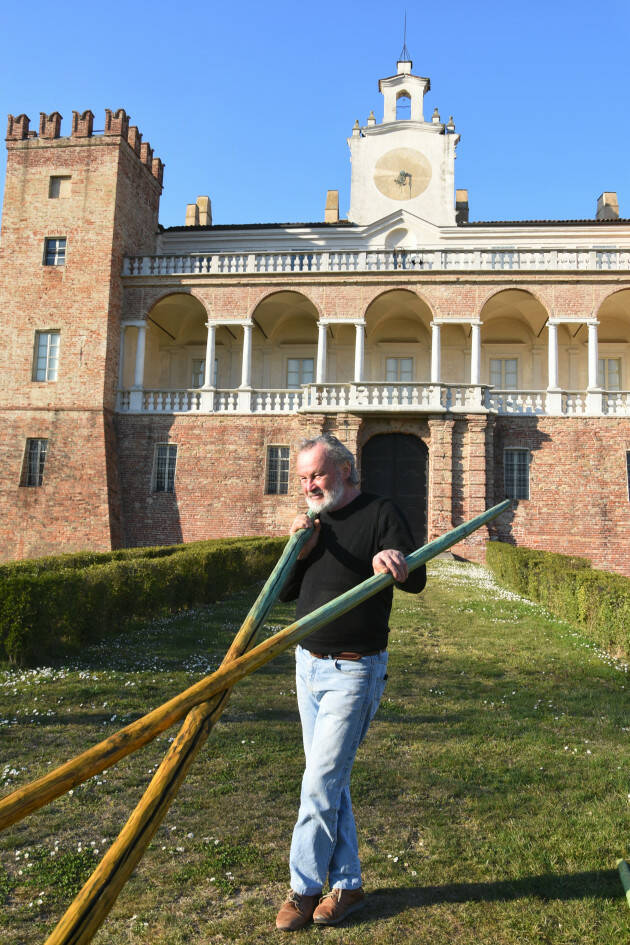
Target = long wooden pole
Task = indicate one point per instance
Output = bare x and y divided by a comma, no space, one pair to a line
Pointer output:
91,906
35,795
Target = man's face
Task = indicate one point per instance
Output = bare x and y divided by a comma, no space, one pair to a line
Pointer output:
321,480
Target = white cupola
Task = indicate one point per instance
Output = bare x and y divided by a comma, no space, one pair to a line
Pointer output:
403,85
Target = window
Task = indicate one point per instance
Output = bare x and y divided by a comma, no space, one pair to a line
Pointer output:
277,470
516,472
164,472
34,460
299,371
504,373
199,372
46,357
609,373
55,251
399,369
59,186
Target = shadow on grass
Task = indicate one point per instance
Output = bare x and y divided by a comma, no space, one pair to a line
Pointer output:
599,884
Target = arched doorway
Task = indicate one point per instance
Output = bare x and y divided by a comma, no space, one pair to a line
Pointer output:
396,465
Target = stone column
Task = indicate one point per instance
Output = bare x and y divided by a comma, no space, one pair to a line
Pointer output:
121,356
436,353
138,375
207,393
593,355
475,354
136,393
552,356
359,352
245,390
594,394
320,375
208,380
554,394
246,369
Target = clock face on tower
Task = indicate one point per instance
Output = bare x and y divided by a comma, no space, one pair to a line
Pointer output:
402,173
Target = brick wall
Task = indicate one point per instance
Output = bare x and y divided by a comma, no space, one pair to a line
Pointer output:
107,209
578,501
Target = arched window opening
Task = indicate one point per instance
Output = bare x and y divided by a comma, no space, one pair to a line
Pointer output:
403,107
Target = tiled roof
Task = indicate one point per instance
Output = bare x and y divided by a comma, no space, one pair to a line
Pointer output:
544,223
256,226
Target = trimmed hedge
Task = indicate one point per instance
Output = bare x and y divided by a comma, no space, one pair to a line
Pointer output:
596,601
53,606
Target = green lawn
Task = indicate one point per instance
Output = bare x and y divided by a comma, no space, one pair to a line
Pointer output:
491,795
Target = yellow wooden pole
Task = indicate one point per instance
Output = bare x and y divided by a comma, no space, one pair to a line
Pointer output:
94,901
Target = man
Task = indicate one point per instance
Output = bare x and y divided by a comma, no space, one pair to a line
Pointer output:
341,671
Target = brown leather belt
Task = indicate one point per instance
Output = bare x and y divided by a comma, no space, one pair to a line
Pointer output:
344,656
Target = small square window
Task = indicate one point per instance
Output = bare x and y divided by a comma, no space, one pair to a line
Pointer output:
46,356
516,473
398,370
59,186
55,251
277,470
34,461
299,371
164,467
504,373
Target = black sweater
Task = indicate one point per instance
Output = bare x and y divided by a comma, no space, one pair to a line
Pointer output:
349,538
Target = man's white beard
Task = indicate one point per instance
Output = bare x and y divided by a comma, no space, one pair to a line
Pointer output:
329,500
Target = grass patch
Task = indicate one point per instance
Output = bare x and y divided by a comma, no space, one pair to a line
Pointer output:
491,795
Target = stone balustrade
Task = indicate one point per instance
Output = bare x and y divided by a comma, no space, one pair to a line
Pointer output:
443,260
378,397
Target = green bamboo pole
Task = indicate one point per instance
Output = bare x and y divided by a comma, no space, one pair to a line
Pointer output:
624,875
139,733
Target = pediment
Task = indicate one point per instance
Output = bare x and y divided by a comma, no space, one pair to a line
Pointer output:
400,230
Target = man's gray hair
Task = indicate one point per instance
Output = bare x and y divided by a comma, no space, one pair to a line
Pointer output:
335,450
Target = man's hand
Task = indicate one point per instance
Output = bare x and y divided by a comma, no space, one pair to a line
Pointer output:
300,522
392,562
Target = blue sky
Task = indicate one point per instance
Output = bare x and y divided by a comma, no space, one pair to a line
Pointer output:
252,103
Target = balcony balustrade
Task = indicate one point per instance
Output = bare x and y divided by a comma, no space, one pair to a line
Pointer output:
376,260
372,397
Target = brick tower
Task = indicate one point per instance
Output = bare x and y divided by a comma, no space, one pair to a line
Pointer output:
74,207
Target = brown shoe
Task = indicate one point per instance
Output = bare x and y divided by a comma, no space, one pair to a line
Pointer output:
296,911
337,904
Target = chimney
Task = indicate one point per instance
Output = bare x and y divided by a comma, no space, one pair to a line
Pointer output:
461,206
205,211
192,214
331,213
607,206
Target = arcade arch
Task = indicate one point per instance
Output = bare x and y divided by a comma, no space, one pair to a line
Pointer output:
398,332
285,341
514,345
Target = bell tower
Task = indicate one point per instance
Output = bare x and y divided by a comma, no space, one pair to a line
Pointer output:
404,162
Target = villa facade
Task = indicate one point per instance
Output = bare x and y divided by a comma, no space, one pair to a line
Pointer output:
158,381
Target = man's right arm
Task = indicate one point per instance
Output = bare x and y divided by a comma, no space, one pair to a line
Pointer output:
292,587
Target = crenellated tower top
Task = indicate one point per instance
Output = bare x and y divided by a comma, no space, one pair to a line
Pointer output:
116,125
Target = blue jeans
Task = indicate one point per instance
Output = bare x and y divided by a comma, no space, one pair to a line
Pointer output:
337,700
